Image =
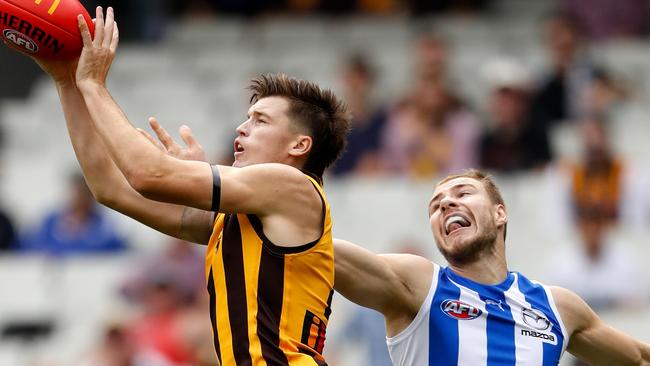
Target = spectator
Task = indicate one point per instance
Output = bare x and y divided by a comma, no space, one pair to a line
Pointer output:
510,142
604,273
597,181
169,290
431,55
559,95
430,131
361,154
115,349
79,228
179,263
156,331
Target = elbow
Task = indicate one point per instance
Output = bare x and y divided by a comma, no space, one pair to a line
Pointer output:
144,176
141,182
105,198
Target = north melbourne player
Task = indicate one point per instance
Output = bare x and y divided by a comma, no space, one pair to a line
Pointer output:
475,311
270,261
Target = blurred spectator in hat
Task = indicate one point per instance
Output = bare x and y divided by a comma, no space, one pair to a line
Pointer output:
361,153
510,142
78,228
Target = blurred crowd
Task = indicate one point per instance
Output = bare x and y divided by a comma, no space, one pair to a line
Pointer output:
429,131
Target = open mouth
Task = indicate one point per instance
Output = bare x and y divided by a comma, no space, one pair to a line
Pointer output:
238,147
455,222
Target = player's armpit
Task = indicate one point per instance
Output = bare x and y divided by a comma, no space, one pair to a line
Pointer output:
594,341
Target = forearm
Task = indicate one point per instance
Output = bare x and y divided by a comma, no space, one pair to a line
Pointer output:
103,178
133,155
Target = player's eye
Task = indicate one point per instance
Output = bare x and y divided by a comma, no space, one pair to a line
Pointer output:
463,194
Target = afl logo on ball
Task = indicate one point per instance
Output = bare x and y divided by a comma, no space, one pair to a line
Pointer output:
460,310
20,40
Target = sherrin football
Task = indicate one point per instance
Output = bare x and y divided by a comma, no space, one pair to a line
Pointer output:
43,28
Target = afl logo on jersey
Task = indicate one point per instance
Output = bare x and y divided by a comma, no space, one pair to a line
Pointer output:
460,310
535,319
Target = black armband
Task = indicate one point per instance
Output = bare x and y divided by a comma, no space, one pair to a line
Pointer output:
216,188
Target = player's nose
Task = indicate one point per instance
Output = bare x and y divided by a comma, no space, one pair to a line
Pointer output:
446,203
242,129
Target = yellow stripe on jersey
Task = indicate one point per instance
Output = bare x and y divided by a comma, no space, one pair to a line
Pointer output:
269,305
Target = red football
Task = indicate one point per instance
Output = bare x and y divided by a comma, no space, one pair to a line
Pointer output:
45,28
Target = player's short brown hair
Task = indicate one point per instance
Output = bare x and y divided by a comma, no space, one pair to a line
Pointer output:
319,111
487,181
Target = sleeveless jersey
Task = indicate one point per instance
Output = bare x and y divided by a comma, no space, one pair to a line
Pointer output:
464,323
269,305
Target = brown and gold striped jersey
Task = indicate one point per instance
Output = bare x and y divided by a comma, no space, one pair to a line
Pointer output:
269,305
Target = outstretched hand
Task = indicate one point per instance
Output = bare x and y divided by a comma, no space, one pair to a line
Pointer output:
98,53
192,151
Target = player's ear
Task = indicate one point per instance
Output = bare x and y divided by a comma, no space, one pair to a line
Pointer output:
301,146
501,216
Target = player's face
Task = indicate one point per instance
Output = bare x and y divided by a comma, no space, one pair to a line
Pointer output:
464,219
267,135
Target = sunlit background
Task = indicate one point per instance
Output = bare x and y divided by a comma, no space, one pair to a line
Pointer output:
551,97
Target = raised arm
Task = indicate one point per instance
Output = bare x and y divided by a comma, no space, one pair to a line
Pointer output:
393,284
106,182
594,341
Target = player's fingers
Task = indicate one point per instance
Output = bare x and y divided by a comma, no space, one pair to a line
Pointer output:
84,31
116,39
188,137
99,27
164,137
109,26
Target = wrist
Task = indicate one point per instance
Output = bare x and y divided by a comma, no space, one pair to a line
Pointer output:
89,86
65,82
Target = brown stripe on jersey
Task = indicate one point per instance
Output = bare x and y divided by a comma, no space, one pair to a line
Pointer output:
233,262
328,309
213,313
270,291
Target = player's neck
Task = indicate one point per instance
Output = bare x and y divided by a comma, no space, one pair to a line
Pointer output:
490,268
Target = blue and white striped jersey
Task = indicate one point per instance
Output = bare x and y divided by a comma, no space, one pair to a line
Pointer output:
464,323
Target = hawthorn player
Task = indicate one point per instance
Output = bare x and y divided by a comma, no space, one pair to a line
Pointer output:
270,261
